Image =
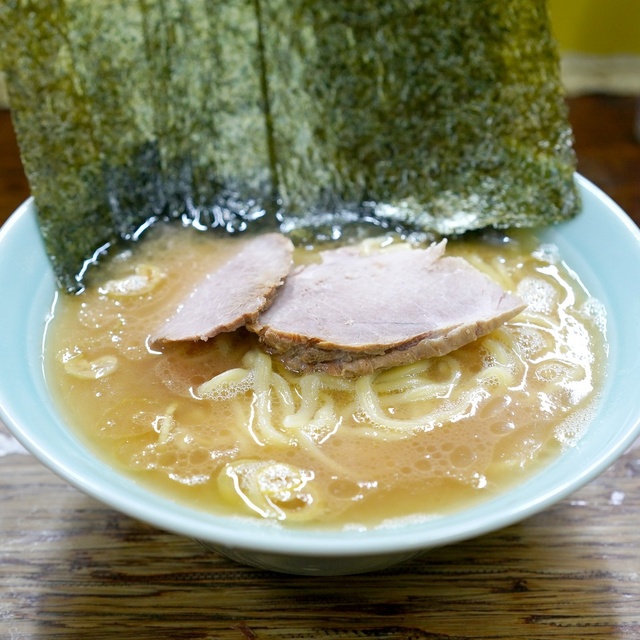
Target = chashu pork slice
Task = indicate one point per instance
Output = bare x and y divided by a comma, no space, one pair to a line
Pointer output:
234,294
352,314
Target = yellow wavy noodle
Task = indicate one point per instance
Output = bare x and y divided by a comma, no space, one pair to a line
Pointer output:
272,489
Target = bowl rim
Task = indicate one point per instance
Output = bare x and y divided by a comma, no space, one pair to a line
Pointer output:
75,463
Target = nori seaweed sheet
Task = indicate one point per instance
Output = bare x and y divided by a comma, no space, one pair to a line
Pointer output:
441,116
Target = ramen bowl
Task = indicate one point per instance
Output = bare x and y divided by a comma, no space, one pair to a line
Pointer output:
601,244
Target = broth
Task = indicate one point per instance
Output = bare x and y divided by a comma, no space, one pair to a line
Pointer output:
223,427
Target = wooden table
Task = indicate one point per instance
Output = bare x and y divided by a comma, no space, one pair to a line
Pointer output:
73,568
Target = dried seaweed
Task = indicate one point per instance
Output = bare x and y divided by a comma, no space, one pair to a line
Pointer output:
441,116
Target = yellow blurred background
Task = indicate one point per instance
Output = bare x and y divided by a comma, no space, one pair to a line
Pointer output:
596,27
599,42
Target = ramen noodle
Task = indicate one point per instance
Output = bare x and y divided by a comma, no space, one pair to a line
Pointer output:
224,427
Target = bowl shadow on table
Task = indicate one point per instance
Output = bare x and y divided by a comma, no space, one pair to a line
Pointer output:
129,578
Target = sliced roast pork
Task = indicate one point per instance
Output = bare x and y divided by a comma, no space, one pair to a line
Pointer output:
234,294
352,314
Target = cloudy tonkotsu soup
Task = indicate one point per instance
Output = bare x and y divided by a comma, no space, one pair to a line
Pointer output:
223,427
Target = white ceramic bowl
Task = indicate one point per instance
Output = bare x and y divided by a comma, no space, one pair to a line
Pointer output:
601,244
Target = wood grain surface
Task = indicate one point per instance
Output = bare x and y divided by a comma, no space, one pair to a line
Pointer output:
73,568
